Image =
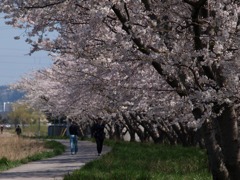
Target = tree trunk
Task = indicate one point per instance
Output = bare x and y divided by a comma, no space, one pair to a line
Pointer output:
118,132
151,131
215,157
228,128
131,130
181,134
224,154
166,132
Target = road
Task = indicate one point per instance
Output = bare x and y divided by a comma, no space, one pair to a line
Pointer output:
55,168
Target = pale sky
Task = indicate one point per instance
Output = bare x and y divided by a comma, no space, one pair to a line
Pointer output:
14,63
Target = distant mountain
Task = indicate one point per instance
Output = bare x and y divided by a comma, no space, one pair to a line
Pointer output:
7,95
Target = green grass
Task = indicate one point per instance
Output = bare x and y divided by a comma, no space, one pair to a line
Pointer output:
33,130
57,148
146,161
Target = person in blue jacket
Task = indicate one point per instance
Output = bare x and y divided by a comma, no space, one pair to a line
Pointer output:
74,133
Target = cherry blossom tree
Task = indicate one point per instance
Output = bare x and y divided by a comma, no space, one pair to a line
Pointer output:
107,89
193,45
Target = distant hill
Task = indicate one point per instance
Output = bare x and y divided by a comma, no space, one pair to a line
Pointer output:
7,95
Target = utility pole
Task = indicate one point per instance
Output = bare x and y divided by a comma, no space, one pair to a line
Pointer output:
39,124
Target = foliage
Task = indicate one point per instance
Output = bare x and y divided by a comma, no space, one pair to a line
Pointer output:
33,130
108,56
3,161
22,114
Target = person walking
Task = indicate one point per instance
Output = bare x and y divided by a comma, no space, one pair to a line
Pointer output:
98,133
74,133
1,129
18,130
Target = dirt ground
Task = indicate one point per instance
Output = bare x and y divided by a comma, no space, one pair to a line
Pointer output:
6,134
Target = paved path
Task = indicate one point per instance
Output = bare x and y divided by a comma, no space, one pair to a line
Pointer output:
55,168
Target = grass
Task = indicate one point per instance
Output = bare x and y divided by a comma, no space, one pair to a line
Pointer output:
31,130
16,151
146,161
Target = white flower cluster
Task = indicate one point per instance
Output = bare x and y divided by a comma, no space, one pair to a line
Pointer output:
104,52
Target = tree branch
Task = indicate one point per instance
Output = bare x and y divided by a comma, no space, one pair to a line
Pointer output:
36,6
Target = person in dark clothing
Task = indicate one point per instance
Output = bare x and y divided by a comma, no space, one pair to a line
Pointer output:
1,129
98,133
18,130
74,132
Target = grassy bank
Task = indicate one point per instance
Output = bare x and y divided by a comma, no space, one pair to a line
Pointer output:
31,130
146,161
16,151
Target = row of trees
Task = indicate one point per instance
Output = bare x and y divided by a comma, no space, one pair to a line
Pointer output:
148,62
21,114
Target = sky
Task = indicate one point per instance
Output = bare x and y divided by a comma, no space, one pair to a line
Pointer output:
14,61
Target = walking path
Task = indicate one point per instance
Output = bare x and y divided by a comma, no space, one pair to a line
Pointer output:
55,168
